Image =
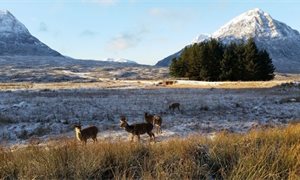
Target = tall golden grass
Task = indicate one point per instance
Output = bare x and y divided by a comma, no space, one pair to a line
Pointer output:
261,154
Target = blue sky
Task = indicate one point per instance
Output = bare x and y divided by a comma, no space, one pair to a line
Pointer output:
141,30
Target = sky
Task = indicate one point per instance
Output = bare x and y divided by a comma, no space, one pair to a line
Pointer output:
141,30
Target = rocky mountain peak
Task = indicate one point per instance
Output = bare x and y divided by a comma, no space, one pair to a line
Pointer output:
15,39
10,25
254,23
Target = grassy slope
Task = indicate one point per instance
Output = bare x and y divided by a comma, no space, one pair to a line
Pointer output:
262,154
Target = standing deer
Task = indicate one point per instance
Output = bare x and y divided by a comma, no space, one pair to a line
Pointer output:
173,106
84,134
137,129
155,120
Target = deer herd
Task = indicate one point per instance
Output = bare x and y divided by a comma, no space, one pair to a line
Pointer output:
135,130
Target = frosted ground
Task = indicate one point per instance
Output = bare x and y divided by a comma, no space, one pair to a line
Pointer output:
47,113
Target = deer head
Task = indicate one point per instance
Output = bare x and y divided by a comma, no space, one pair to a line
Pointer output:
123,122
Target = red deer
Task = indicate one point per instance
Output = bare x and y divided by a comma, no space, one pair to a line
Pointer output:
137,129
84,134
173,106
155,120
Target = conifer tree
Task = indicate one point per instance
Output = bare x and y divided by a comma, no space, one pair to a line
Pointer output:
265,66
178,68
229,65
213,61
250,60
215,55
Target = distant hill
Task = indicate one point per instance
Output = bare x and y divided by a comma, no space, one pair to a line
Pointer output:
120,60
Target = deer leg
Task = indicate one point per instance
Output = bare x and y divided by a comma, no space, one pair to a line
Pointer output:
95,139
132,136
153,136
139,138
150,135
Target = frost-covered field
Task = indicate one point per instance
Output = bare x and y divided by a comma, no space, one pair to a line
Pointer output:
27,114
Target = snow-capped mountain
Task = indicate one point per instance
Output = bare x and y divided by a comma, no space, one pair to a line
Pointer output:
15,39
120,60
281,41
255,23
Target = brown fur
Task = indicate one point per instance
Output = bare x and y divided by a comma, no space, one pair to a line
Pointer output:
84,134
155,120
137,129
173,106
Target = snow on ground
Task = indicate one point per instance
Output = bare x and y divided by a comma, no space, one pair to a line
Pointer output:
27,114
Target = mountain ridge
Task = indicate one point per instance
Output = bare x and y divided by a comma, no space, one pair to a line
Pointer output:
280,40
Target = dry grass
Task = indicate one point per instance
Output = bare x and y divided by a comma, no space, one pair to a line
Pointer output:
263,154
109,83
230,85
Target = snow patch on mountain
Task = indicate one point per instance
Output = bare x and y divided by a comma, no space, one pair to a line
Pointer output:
201,38
9,24
120,60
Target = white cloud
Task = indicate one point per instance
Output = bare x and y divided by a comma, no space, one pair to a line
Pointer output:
43,27
126,40
156,12
123,41
102,2
171,18
168,15
162,13
87,33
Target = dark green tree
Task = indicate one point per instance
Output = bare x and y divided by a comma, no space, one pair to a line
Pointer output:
265,66
239,51
230,65
178,68
251,60
213,61
194,61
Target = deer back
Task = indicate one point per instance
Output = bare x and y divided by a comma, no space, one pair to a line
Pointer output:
174,105
89,132
141,128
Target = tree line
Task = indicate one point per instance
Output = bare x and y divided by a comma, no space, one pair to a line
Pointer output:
213,61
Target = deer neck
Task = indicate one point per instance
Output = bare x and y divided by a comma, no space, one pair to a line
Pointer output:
129,128
78,134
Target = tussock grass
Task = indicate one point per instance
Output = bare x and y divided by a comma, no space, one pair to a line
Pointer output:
260,154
